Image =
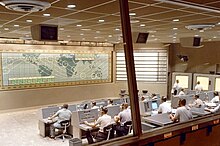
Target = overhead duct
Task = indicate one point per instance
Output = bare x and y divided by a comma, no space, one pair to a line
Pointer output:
25,5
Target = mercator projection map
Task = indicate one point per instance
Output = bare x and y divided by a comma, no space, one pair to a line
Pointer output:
40,68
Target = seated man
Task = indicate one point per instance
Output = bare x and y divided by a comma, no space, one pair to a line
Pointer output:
216,98
182,113
197,103
94,106
164,107
103,121
110,102
62,115
123,117
214,110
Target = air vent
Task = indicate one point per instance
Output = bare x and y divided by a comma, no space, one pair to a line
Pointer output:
200,26
25,5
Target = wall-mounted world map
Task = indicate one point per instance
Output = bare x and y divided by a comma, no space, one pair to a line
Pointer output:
45,68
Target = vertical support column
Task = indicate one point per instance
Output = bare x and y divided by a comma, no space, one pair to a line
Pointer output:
129,59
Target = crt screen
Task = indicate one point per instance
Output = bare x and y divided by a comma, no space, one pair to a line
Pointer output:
154,105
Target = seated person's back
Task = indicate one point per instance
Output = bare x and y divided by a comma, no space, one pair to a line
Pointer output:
103,121
182,113
216,98
62,115
164,107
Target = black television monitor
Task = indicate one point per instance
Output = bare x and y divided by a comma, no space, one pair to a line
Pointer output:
142,38
49,33
44,32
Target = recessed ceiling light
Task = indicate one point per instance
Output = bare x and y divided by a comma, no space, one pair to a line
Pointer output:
196,35
101,20
16,25
142,25
95,37
152,31
135,21
61,28
156,39
209,39
176,20
29,20
71,6
46,15
219,23
201,30
132,14
6,28
174,37
117,29
214,37
153,36
85,29
78,25
81,34
97,31
109,36
175,28
68,36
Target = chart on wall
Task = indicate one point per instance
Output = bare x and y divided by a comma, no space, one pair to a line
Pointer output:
55,69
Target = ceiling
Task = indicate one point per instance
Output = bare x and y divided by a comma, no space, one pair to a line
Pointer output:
158,17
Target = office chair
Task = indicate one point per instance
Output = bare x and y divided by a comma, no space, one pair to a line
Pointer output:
106,135
65,124
128,124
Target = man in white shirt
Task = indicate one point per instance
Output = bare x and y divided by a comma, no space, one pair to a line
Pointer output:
94,106
103,121
176,88
164,107
198,87
181,92
216,98
198,103
182,113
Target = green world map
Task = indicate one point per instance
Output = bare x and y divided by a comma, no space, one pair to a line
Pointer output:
33,68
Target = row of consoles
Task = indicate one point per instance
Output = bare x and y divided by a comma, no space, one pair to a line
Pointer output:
149,120
80,113
158,120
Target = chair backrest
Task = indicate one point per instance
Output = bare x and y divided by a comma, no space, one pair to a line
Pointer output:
65,123
129,125
109,130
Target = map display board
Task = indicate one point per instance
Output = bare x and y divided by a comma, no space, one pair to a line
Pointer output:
26,70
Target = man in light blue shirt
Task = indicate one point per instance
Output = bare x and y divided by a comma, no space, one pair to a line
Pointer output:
62,115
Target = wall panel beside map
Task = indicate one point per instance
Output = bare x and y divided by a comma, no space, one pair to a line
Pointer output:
31,70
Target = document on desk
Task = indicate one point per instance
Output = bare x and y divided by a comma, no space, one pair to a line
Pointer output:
210,104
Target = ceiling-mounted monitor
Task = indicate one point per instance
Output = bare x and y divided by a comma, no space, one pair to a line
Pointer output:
44,32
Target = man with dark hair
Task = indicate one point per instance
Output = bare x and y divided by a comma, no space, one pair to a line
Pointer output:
216,98
198,103
198,87
110,102
61,115
104,120
123,117
164,107
94,106
182,113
